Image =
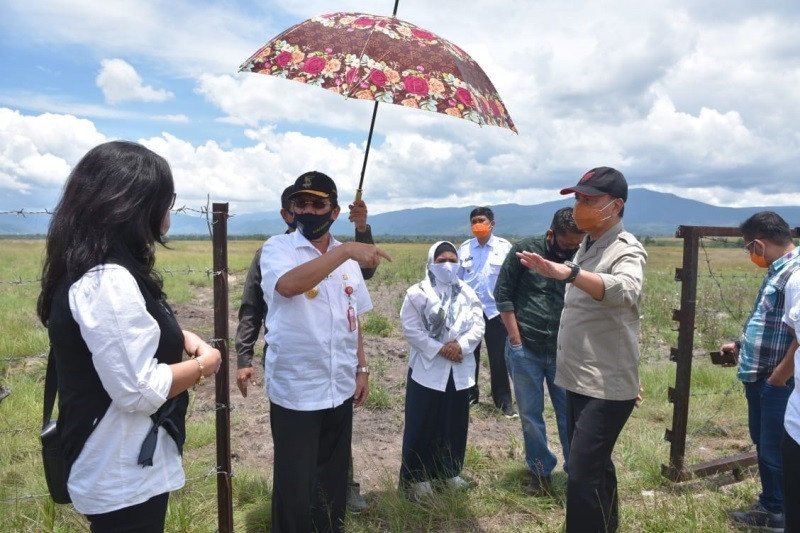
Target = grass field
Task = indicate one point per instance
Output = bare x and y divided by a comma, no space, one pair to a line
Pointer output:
717,422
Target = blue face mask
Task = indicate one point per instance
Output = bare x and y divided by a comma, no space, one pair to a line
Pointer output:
313,226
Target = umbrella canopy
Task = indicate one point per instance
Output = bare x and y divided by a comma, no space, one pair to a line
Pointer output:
384,59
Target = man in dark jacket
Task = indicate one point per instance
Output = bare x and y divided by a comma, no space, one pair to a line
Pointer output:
253,310
530,307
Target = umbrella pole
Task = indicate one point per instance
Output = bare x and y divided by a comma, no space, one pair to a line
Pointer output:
366,152
369,137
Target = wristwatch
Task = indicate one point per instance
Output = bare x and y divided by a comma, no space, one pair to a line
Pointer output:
574,273
362,370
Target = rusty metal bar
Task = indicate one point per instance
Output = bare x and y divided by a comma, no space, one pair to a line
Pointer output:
221,383
683,355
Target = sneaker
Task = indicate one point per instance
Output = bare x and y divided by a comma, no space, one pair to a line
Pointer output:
508,411
538,485
459,483
355,501
758,517
420,491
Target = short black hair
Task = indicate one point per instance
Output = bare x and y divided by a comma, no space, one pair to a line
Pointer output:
482,211
286,203
563,222
766,225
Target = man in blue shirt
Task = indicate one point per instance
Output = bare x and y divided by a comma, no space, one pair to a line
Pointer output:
762,362
480,260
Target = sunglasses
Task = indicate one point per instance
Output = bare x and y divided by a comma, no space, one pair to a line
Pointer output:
316,204
172,203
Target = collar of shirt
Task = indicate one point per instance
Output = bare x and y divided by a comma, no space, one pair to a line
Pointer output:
490,243
299,241
783,260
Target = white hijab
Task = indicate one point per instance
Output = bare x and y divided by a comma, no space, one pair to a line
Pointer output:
444,314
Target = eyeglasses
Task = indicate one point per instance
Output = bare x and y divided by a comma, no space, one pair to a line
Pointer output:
172,203
316,204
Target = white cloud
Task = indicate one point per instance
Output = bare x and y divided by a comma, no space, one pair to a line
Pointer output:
681,95
119,82
37,152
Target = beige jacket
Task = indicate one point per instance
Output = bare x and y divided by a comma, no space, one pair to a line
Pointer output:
598,341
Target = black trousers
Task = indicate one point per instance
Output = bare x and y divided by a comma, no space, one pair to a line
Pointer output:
790,451
312,453
146,517
435,433
593,426
495,337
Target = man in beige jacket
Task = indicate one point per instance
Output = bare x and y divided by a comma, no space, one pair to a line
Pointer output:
597,359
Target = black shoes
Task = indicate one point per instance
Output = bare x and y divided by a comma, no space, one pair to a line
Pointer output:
760,518
537,485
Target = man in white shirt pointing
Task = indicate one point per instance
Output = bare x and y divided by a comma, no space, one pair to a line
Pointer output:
316,370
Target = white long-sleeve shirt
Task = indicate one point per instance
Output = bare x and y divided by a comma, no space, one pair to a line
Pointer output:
428,368
122,337
312,354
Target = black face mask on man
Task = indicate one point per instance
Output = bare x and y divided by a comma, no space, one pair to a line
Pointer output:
557,253
313,226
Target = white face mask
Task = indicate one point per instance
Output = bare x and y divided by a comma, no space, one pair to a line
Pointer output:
444,272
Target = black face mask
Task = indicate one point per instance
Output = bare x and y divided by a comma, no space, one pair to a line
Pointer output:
557,253
313,226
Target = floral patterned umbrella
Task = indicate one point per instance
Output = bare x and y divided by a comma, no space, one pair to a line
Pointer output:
384,59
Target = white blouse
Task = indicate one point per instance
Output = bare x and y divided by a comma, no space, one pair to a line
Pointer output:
122,337
428,368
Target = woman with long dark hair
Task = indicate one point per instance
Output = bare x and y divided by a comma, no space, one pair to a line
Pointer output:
117,346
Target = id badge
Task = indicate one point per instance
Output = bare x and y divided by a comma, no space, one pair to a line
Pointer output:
351,318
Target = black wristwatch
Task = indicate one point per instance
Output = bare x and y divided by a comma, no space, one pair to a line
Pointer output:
574,274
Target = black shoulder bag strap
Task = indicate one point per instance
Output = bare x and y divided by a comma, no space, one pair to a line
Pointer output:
55,471
50,388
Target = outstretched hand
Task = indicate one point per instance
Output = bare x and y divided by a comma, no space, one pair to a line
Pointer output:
542,266
366,255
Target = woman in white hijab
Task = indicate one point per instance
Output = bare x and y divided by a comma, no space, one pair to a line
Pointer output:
442,320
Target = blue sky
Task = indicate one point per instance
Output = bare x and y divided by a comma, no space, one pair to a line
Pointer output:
696,98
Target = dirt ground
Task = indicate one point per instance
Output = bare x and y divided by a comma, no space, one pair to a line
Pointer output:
377,433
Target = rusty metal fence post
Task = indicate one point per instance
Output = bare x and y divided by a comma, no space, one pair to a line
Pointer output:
222,387
682,355
679,395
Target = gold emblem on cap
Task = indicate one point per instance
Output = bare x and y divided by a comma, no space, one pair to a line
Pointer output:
312,293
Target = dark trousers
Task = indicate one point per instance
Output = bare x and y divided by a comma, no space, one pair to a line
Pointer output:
790,450
312,453
593,426
146,517
435,433
766,405
495,337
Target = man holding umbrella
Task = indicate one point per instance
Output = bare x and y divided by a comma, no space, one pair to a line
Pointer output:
316,369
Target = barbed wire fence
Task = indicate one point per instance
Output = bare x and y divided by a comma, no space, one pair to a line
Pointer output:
216,216
701,320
